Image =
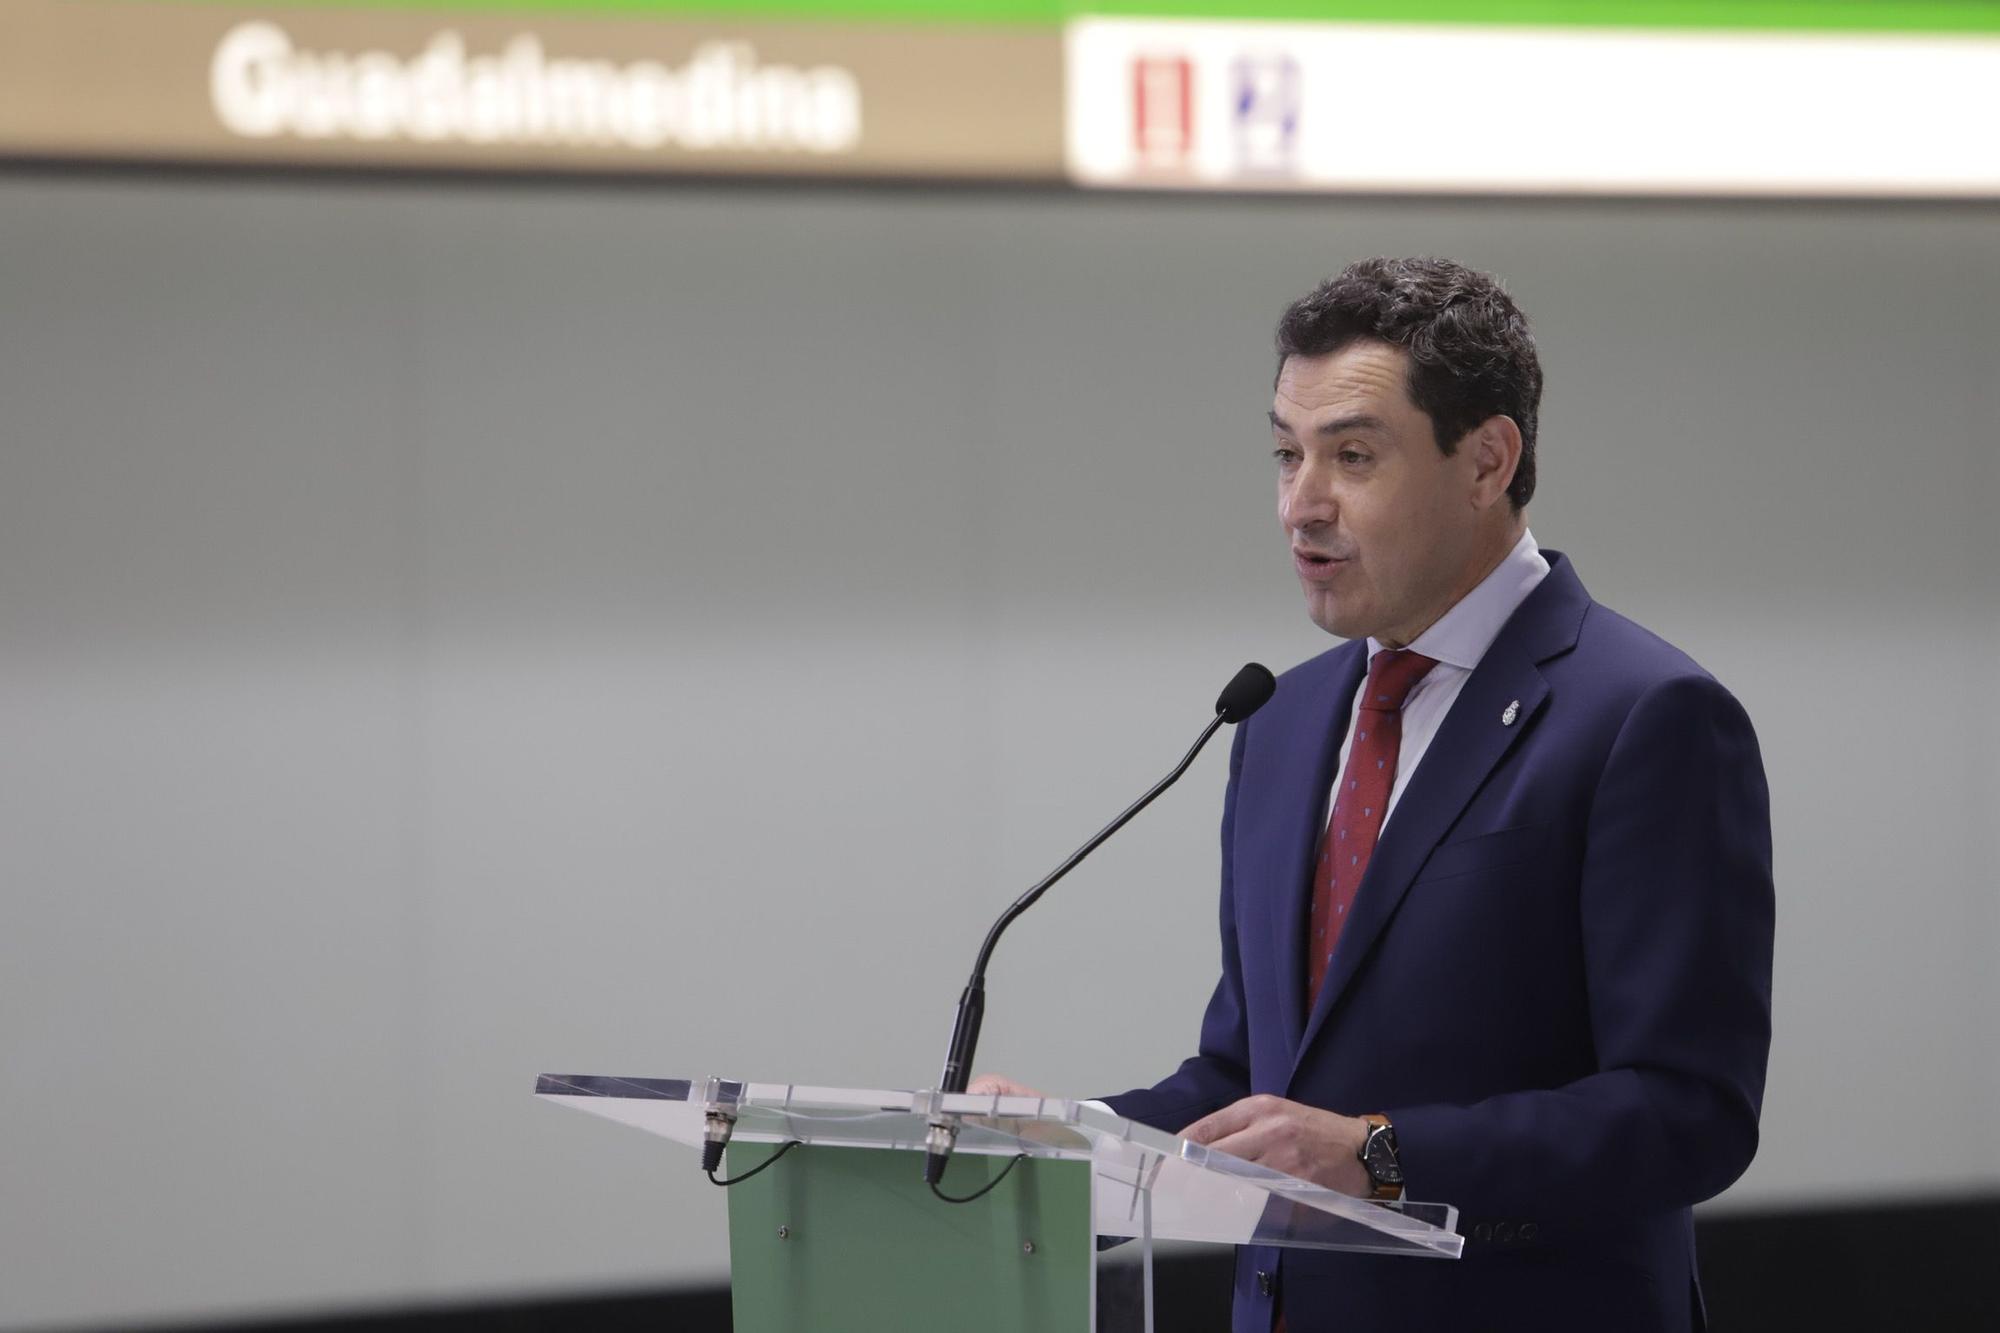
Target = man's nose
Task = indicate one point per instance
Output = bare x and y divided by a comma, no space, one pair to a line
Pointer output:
1308,502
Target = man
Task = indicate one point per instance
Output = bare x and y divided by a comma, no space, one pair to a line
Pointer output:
1496,892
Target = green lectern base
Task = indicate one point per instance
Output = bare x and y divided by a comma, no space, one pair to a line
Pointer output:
851,1240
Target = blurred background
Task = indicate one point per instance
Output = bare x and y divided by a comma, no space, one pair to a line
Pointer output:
596,538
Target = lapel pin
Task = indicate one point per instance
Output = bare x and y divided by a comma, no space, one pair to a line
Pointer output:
1513,711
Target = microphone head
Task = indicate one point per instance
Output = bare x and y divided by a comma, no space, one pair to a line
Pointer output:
1249,690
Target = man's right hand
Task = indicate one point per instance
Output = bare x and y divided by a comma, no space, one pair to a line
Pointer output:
987,1085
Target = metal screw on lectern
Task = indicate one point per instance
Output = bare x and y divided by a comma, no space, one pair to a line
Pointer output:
784,1233
1027,1247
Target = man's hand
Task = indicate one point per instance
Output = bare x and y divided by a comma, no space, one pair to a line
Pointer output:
985,1085
1299,1140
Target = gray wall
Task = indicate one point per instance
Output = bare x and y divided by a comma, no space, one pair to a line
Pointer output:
451,634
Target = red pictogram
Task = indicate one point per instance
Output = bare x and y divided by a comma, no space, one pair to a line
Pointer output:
1163,110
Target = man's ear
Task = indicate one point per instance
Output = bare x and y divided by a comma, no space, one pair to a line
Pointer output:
1495,449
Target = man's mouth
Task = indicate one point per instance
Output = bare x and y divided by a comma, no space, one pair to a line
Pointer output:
1315,564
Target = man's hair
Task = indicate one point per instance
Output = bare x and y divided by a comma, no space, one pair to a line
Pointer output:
1471,355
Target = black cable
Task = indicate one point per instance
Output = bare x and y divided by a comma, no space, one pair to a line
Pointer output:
952,1198
737,1180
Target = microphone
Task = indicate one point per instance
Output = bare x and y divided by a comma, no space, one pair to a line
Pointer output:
1247,691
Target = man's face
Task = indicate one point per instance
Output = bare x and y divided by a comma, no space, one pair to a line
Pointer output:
1383,526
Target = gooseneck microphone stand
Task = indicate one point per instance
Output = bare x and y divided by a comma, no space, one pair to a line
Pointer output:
1246,692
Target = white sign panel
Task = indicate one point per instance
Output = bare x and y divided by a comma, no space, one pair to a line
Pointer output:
1168,104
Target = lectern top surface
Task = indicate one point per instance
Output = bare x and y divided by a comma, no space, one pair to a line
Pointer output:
1193,1192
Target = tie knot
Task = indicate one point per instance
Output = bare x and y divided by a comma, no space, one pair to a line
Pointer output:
1391,677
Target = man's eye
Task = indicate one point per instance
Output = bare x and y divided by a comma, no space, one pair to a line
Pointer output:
1352,456
1284,455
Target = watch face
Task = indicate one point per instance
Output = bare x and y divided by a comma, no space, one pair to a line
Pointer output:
1379,1156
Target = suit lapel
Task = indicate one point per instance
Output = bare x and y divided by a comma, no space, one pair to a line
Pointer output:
1298,819
1471,742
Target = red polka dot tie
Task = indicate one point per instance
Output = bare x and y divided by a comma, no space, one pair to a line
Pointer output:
1359,803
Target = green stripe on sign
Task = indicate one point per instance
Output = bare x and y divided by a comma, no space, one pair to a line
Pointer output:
1945,16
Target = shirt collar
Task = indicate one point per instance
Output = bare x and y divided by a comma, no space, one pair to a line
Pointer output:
1461,636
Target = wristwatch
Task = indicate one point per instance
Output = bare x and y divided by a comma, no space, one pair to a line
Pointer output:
1378,1155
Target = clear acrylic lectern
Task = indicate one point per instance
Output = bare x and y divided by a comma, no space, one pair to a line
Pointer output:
844,1235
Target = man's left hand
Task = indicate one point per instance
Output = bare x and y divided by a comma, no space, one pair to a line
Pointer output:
1299,1140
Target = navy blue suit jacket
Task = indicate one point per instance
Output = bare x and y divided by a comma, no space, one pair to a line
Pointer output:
1555,979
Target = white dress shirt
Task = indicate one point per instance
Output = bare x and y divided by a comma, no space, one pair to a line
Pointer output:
1458,639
